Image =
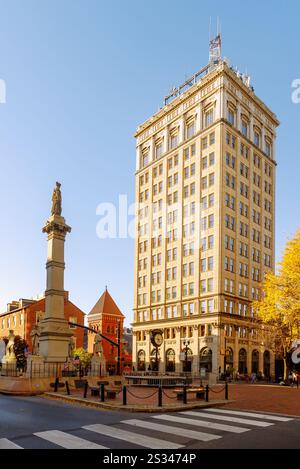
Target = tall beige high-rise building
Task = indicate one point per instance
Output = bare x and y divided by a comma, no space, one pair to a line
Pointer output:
205,189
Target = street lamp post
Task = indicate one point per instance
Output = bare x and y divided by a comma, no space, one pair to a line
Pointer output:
186,349
225,348
119,347
156,359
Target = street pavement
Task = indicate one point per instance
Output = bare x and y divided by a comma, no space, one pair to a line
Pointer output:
36,423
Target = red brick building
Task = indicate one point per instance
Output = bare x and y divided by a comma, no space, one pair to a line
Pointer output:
104,317
22,315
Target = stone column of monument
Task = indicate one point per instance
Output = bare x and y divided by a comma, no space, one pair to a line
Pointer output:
55,333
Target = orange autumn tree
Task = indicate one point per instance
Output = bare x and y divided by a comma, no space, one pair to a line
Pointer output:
279,307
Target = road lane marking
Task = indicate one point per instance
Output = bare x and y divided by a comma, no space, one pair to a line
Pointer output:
138,439
250,414
226,418
202,423
192,434
7,444
68,441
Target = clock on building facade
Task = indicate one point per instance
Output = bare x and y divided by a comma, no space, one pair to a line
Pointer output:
156,338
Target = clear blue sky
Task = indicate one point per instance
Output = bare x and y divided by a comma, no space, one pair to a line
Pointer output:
80,76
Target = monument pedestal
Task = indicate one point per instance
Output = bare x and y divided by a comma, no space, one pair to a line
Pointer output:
35,366
54,340
98,365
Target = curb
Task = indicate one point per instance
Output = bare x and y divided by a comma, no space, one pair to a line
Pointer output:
128,408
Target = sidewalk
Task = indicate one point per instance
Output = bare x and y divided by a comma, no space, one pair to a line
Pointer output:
265,397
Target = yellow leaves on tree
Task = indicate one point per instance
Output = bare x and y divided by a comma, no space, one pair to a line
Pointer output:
279,307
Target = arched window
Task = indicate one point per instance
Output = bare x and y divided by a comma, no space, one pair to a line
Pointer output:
206,359
267,364
141,361
154,359
242,361
170,360
255,361
229,356
187,358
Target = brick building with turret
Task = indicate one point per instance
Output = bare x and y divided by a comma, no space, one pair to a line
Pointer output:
104,317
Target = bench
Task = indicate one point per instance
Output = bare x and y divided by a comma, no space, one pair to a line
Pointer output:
102,382
95,390
199,393
59,385
111,393
114,390
80,383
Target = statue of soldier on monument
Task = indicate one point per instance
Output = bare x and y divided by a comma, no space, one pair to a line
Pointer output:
35,338
98,348
56,200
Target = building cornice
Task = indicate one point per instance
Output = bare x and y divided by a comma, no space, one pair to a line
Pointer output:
221,70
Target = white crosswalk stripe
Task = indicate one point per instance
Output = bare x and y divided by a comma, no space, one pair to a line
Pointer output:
7,444
202,423
276,418
192,434
68,441
138,439
227,418
186,422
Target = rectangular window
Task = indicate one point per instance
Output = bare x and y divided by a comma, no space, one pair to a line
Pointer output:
230,117
190,131
73,319
256,139
209,118
212,138
244,129
210,306
158,150
174,141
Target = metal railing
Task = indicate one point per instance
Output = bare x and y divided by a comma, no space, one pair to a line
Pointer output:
33,370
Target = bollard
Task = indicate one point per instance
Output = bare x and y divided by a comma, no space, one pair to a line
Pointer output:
206,393
102,392
185,394
124,395
86,385
160,396
226,391
56,384
68,388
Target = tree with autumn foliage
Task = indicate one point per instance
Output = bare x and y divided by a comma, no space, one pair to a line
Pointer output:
84,357
279,307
